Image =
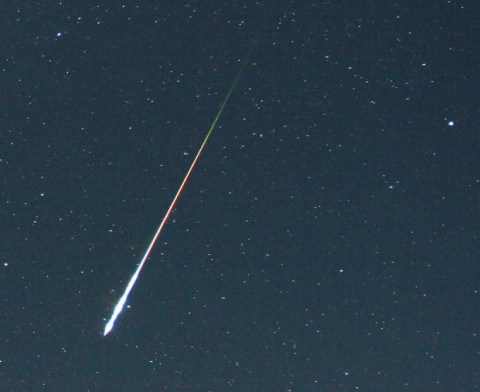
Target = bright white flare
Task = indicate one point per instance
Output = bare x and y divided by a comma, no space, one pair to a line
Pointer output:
124,297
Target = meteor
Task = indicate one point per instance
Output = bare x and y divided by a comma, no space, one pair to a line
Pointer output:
123,299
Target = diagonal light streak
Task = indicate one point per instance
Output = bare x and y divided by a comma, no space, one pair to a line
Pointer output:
123,299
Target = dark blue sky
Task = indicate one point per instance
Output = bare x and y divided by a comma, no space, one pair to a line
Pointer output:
327,239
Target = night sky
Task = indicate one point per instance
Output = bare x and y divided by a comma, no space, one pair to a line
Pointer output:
327,239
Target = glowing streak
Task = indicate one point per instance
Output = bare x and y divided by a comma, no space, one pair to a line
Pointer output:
123,299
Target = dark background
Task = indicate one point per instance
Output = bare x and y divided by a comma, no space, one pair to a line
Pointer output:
327,239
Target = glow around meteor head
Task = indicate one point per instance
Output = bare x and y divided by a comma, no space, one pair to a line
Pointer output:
108,327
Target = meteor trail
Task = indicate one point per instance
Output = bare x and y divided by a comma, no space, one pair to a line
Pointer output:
123,299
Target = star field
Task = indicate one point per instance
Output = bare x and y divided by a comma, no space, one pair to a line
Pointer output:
327,239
